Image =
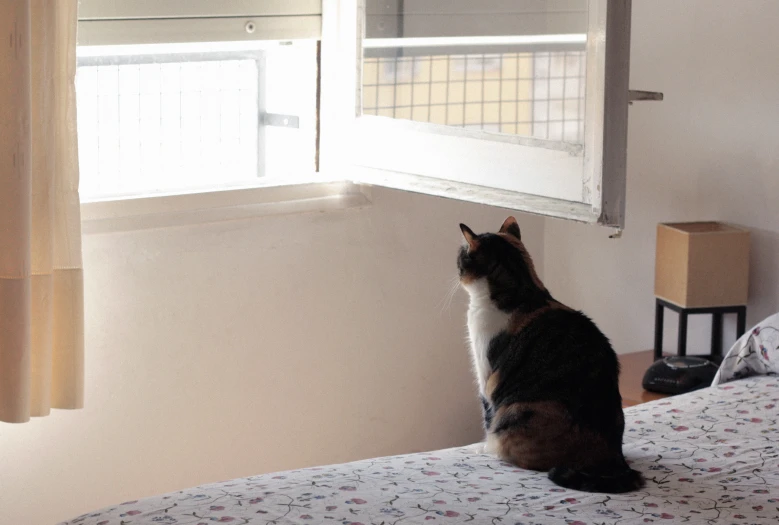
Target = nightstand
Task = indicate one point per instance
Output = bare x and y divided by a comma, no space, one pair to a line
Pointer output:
633,368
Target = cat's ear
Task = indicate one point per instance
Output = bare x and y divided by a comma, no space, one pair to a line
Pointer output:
511,227
470,237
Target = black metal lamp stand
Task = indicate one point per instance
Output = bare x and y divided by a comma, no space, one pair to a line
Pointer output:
716,325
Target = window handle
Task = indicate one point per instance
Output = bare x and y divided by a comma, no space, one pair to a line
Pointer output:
283,121
641,96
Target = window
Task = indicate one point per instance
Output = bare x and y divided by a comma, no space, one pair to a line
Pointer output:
518,104
166,113
504,103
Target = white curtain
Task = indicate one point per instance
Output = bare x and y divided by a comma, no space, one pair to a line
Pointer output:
41,280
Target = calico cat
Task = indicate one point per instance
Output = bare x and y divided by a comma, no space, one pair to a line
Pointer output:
547,376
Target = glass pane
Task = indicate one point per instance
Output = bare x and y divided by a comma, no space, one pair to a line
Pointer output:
168,118
514,67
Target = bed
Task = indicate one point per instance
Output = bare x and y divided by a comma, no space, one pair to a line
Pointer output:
710,457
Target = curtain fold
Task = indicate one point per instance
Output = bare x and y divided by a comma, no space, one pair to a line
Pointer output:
41,276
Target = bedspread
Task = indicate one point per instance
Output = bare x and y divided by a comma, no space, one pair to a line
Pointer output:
710,457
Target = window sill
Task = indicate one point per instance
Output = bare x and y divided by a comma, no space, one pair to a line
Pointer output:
166,210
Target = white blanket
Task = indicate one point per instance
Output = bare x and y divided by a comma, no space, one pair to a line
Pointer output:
710,457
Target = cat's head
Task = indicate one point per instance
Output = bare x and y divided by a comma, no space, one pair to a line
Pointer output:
499,264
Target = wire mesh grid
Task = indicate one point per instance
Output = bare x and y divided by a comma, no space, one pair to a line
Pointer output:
158,126
538,94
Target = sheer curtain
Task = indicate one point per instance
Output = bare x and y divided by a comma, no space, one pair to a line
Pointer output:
41,279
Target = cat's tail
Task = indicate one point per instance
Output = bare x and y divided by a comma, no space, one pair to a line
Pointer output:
612,479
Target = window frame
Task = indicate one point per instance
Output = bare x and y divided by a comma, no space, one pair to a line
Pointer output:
227,22
602,181
142,21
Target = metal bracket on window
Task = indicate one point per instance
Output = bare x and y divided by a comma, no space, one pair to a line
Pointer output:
282,121
640,96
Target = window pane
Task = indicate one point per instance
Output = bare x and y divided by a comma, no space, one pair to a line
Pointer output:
508,67
163,119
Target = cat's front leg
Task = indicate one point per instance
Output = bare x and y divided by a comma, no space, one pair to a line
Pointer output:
491,444
487,413
488,446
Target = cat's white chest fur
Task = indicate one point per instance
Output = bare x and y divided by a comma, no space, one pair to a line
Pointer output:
485,321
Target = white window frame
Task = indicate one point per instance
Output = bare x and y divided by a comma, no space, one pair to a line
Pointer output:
143,21
445,161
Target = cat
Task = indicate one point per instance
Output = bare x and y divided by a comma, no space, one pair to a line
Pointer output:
548,378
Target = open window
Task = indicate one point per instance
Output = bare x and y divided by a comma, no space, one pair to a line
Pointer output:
520,104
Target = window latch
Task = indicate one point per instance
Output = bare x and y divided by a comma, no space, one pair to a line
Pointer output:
282,121
642,96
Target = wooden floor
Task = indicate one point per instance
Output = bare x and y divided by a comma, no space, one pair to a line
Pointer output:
633,368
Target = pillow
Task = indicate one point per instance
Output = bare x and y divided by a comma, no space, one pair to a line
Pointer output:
756,353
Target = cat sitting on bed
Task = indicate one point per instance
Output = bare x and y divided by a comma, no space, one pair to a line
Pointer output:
548,378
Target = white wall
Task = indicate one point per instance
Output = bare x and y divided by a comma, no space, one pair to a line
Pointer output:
223,350
709,151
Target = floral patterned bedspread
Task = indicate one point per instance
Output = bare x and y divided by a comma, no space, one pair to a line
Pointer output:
710,457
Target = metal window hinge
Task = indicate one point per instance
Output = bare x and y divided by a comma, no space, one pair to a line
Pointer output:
640,96
282,121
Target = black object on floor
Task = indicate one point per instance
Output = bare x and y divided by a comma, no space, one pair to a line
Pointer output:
679,374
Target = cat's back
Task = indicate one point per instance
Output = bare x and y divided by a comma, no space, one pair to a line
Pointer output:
560,344
563,325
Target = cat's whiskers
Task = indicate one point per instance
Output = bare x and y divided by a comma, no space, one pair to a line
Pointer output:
446,302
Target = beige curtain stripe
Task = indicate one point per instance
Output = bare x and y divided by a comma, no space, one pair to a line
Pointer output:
43,132
67,380
15,146
15,377
42,318
67,206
